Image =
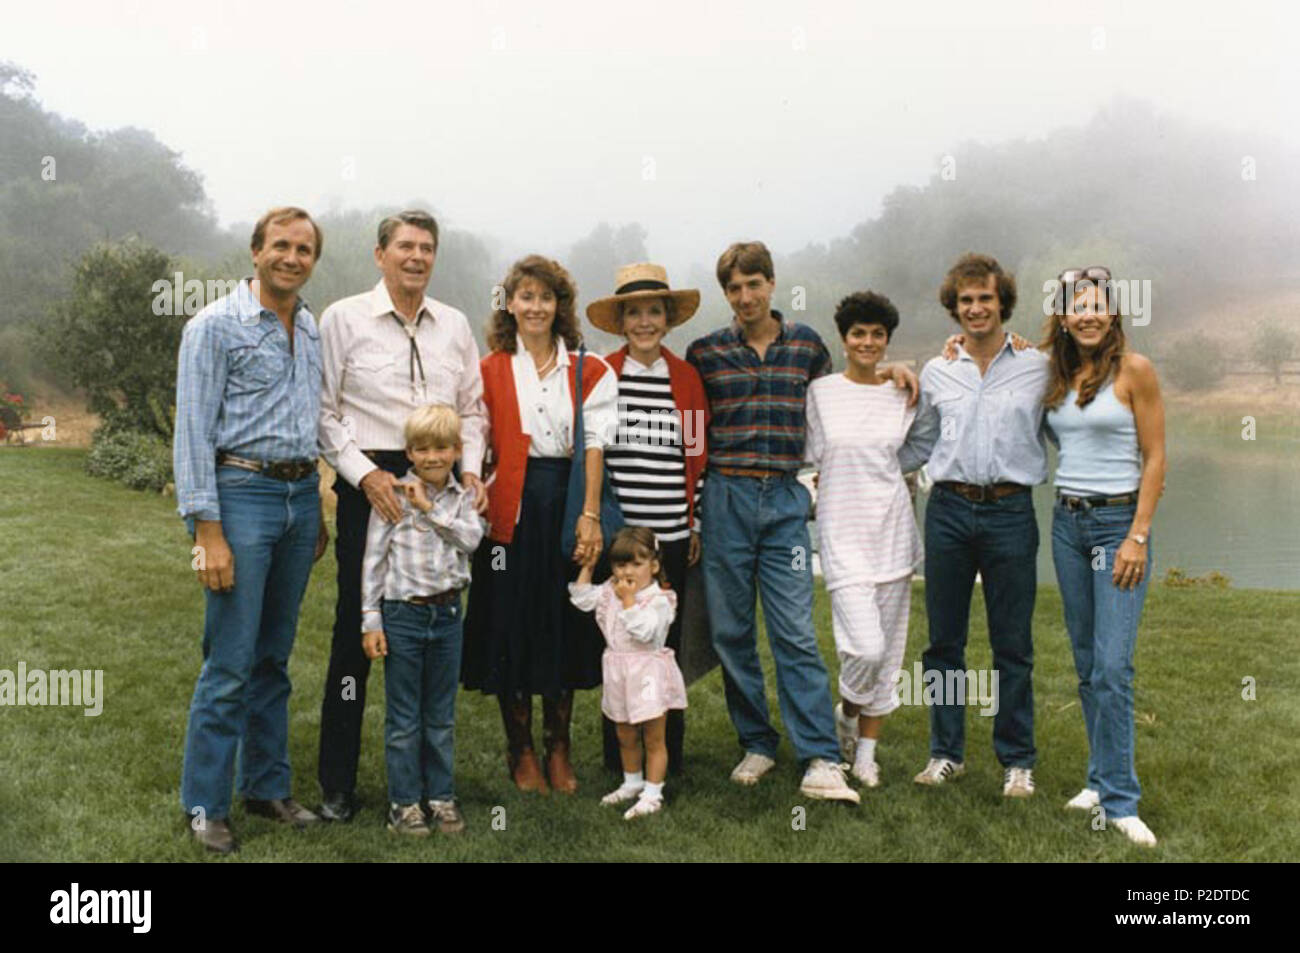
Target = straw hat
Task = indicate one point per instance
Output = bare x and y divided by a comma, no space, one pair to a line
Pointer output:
640,281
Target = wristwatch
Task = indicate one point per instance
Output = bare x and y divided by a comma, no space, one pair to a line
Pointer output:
1138,538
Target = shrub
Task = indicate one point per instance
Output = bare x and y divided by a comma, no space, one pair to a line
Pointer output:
1195,362
143,461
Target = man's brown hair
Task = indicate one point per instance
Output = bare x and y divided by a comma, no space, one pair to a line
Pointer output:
976,268
412,216
749,257
279,216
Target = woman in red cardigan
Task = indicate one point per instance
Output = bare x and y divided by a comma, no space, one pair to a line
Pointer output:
657,462
522,635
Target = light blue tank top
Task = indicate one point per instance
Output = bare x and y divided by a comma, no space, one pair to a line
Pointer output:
1099,447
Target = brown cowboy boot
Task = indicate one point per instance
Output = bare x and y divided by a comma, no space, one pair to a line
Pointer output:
525,771
556,715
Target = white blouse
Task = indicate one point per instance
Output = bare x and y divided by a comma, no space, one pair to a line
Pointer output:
641,628
546,404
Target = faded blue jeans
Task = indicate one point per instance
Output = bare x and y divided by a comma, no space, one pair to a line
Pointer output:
421,676
240,709
755,536
1102,622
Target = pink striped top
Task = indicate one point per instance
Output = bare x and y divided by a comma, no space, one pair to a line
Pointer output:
865,525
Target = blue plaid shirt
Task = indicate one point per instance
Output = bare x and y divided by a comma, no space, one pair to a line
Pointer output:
757,407
239,389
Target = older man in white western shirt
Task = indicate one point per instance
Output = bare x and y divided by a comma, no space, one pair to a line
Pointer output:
386,352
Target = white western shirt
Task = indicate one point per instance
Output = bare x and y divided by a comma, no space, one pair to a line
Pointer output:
368,392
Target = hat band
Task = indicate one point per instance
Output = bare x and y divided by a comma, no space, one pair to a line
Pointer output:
645,284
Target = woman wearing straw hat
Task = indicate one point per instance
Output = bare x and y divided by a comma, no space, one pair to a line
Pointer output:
657,461
522,636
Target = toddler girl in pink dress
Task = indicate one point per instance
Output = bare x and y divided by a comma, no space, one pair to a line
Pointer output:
641,682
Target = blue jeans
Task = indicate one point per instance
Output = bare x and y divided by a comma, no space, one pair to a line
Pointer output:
755,532
999,540
240,708
421,675
1102,622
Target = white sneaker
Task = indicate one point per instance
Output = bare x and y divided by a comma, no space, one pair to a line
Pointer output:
623,793
824,780
1135,830
1018,782
939,770
645,804
868,772
846,729
752,767
1085,800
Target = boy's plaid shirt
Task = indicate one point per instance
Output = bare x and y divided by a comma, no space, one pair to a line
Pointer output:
757,407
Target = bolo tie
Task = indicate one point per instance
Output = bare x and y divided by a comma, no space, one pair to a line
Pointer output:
413,359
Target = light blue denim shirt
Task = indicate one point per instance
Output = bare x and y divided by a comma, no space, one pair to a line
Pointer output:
239,389
981,429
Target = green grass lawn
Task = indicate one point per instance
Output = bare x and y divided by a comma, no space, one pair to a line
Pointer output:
96,576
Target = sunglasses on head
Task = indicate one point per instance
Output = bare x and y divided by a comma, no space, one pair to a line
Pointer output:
1091,273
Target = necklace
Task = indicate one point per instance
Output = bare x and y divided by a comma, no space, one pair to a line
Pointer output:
541,371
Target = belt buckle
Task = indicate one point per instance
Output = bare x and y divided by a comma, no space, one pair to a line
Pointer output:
981,495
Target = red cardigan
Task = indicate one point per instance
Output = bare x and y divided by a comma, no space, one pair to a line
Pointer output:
508,442
688,395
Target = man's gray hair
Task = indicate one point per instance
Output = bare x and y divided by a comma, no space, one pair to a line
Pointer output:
410,217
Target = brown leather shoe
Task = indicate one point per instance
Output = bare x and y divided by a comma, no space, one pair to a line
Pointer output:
285,811
559,770
216,837
528,773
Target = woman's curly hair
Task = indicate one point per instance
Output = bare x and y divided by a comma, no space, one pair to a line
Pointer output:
502,326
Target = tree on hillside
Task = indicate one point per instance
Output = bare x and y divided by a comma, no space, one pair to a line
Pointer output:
1272,346
62,189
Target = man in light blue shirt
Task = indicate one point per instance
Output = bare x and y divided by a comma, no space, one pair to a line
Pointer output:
980,426
248,387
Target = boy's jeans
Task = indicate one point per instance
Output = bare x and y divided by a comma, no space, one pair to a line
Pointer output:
421,673
241,700
756,531
1102,622
999,540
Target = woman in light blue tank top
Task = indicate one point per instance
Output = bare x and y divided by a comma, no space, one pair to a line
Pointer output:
1106,415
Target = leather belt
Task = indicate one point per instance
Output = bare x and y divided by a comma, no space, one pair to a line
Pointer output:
756,473
1088,502
287,470
983,494
450,597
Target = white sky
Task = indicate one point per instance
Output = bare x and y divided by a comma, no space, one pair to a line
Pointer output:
532,122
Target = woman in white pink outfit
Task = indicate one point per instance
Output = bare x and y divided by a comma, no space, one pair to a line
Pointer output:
641,681
867,537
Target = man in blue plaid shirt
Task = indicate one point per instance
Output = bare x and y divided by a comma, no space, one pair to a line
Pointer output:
756,372
248,387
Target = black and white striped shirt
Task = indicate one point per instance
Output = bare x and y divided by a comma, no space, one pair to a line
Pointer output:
646,461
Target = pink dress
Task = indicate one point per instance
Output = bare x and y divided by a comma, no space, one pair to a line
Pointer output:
641,677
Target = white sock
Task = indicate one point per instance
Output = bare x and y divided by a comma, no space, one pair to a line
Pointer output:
866,749
655,791
632,779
